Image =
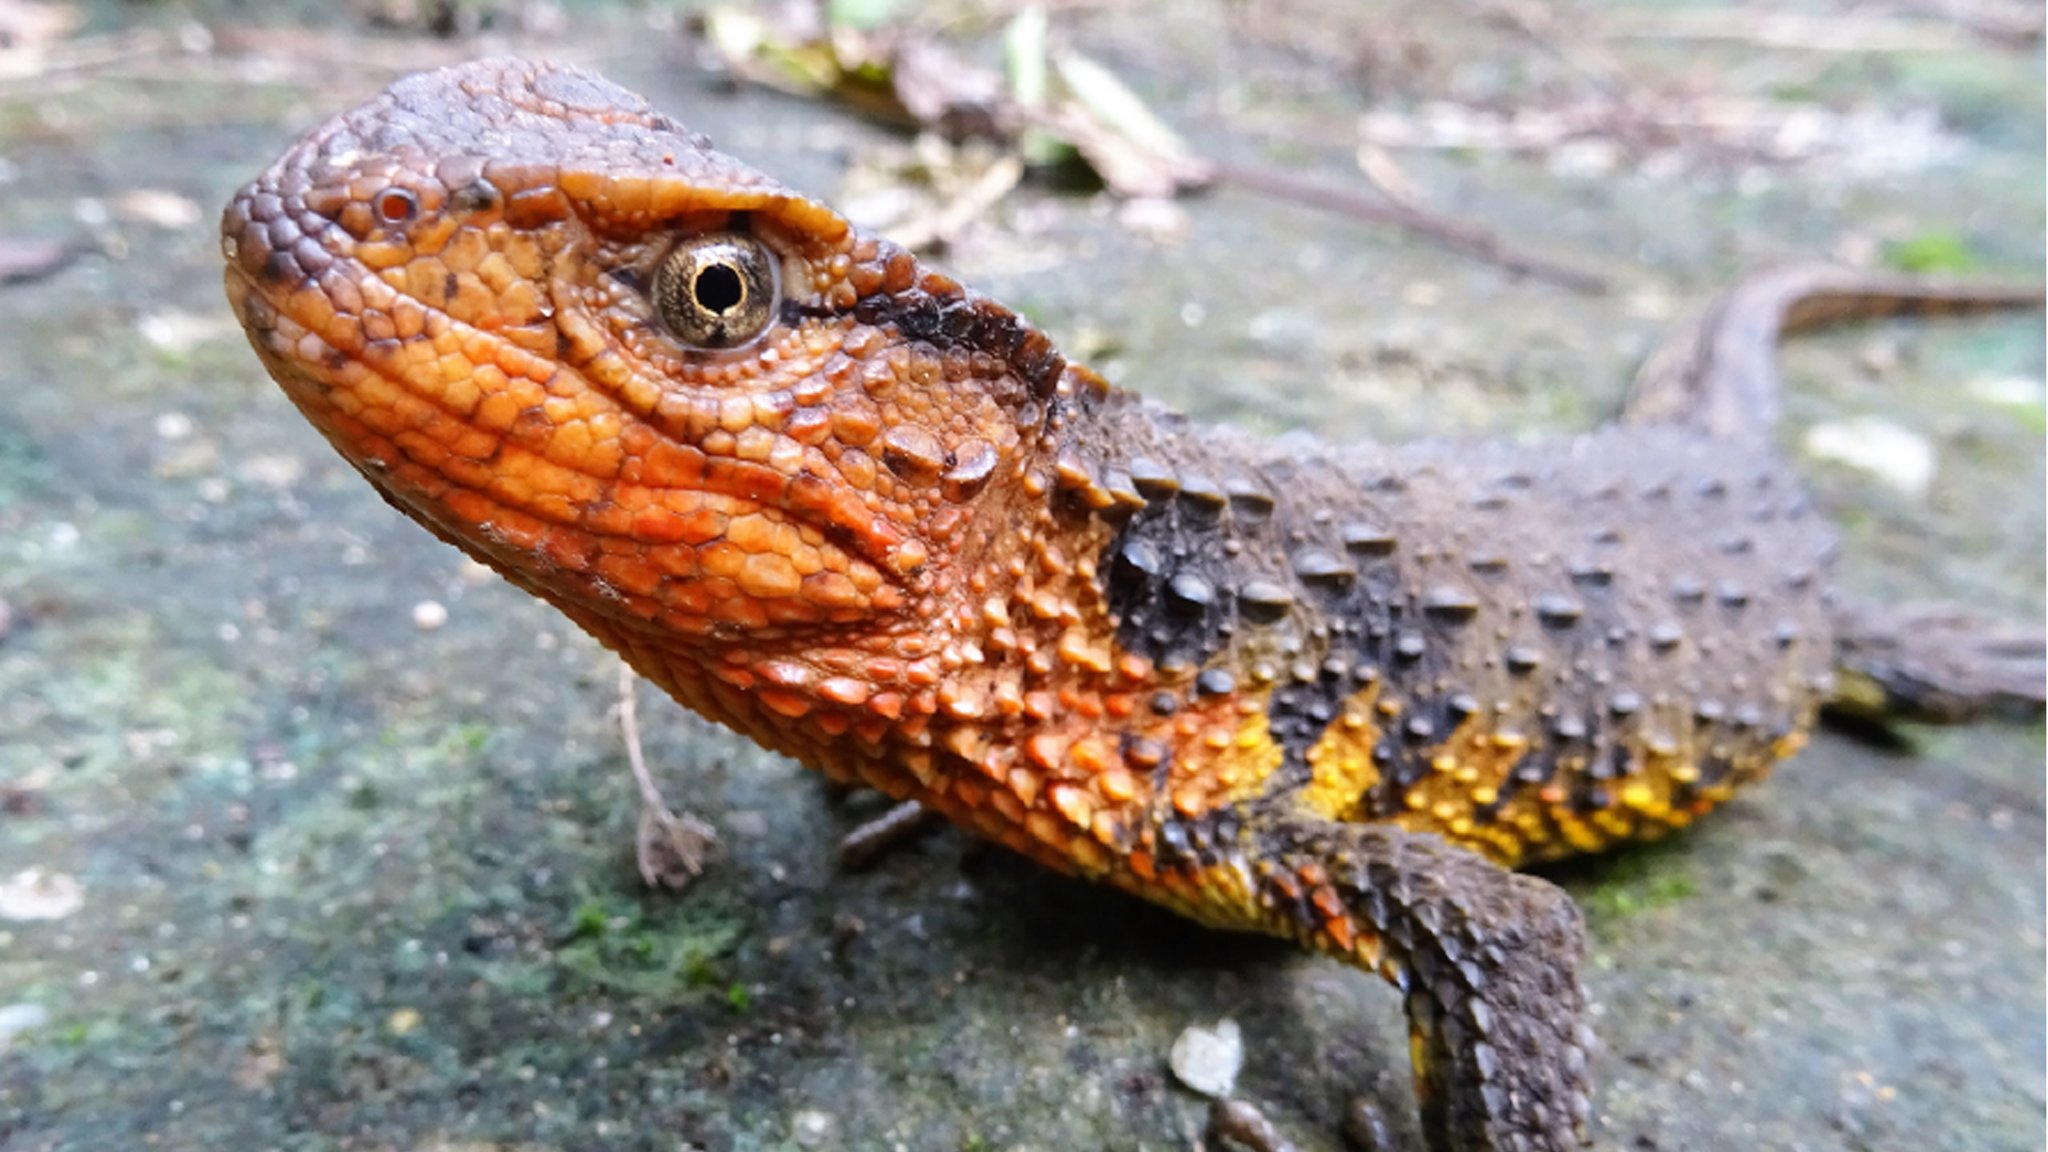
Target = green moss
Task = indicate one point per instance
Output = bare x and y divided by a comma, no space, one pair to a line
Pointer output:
472,737
1638,882
1934,251
663,954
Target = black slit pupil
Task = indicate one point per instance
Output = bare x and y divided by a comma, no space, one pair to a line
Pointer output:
719,288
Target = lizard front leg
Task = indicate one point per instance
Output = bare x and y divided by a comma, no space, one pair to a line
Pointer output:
1487,959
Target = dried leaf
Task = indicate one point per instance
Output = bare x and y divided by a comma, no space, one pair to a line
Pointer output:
865,15
156,206
942,92
1029,75
23,259
1133,151
27,30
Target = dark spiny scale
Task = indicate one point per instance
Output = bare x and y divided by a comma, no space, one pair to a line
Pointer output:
1123,489
1591,574
1154,481
1202,495
1189,594
1714,769
1249,499
1363,538
1568,728
1450,604
1162,577
1558,611
1537,767
1173,844
1613,762
1688,590
947,316
1137,559
1264,601
1591,796
1321,570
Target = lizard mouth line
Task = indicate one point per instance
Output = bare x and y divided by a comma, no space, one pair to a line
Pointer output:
735,487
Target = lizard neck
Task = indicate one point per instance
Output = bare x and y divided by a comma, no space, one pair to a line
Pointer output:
1012,695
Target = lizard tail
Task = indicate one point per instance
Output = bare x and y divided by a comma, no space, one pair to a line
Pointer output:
1718,373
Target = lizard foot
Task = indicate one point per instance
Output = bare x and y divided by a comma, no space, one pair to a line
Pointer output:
1488,960
668,846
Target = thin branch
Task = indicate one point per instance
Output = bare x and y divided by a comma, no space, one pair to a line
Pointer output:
1459,236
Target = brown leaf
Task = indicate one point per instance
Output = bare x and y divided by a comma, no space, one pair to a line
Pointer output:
23,259
27,29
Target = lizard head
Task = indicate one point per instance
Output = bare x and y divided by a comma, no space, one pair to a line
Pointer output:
632,374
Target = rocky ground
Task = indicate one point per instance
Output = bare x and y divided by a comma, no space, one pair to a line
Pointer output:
313,836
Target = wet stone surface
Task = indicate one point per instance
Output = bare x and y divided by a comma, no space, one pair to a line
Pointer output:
340,828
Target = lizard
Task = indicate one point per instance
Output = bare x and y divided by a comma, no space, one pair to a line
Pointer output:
843,504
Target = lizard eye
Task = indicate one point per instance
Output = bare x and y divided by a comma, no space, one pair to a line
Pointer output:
718,290
396,206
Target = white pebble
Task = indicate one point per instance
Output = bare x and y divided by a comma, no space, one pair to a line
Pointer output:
1898,456
428,615
34,894
811,1128
16,1019
1207,1060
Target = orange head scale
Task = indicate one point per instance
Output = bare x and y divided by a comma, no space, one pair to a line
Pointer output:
646,382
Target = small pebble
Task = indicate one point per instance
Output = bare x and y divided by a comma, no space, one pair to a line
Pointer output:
1240,1124
33,894
16,1019
2015,391
158,207
1207,1059
812,1128
1156,218
1899,456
